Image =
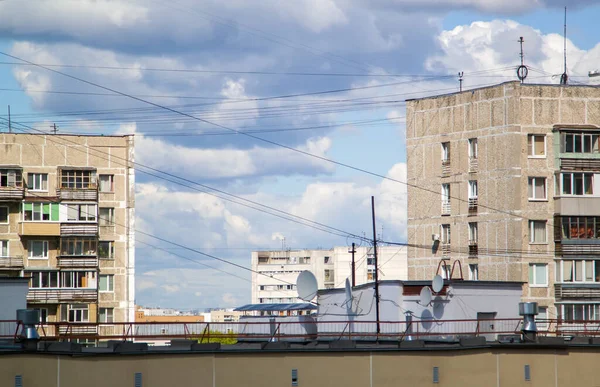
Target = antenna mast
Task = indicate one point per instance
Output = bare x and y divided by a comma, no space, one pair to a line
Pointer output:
522,70
564,77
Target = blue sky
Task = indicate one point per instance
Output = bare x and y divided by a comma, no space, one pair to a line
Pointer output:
403,40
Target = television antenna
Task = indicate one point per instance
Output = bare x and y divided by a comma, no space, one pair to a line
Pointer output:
307,286
522,70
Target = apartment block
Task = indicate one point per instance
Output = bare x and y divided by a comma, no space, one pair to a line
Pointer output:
275,272
505,180
67,223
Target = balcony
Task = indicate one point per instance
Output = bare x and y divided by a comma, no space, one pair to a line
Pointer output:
77,194
11,194
79,261
576,291
446,208
445,168
73,229
568,163
473,202
55,296
473,165
39,229
578,247
11,263
473,249
577,205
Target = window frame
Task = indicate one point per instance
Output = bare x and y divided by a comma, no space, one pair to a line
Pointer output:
110,282
32,180
45,248
473,190
6,172
445,151
473,272
531,146
5,243
445,234
532,240
43,319
7,215
473,232
473,148
38,207
531,188
103,221
77,179
573,184
532,279
70,245
111,181
106,315
111,250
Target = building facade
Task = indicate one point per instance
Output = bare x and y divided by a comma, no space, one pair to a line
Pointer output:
275,272
67,223
506,181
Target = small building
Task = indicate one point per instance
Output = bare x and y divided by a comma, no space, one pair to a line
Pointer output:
14,296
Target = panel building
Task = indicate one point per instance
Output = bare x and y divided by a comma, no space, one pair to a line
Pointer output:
506,180
279,269
67,223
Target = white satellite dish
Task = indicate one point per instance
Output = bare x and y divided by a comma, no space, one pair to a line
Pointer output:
437,284
425,296
306,284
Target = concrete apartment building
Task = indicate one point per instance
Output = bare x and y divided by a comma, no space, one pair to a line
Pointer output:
506,180
67,223
280,268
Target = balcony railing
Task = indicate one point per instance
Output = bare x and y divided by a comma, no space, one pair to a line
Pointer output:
472,206
14,262
445,248
576,291
72,229
445,167
80,261
8,194
446,208
39,228
78,194
473,249
54,296
473,164
563,249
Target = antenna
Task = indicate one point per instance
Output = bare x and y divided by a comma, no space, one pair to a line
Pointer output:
460,79
522,70
437,284
425,296
306,285
564,77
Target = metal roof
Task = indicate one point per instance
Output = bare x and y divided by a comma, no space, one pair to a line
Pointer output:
275,307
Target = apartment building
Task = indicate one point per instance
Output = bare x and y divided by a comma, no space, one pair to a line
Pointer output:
67,223
275,272
506,180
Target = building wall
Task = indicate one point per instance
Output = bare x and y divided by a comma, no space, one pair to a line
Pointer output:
110,155
500,118
457,367
281,287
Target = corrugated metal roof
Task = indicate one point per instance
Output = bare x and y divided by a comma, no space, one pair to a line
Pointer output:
276,307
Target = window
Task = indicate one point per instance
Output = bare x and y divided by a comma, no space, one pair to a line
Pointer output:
473,272
106,283
37,181
537,188
446,271
446,233
78,279
325,260
537,231
472,233
445,198
577,183
4,214
3,248
370,274
472,148
107,183
44,279
107,216
579,142
578,312
370,260
38,250
261,287
472,189
446,152
78,246
328,275
78,313
538,274
11,178
106,315
106,249
43,312
81,212
41,212
536,145
578,271
77,179
580,227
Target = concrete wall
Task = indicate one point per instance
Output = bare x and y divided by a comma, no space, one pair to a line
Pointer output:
502,367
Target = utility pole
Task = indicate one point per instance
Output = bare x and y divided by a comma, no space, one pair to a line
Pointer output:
353,265
54,126
9,124
376,267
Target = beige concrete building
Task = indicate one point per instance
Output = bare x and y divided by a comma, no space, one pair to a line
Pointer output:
280,268
67,222
506,180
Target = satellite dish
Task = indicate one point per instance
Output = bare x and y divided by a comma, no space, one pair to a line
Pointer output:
306,284
425,296
437,284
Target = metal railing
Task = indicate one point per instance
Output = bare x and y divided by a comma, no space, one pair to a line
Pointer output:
473,164
446,207
445,167
473,205
53,296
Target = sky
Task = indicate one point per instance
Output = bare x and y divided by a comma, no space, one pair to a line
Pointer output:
308,82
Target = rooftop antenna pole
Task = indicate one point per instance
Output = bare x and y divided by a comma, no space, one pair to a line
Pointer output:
9,125
522,70
460,79
564,77
376,268
55,128
353,265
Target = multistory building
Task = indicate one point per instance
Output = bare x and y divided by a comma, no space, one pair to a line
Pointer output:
275,272
67,223
506,180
